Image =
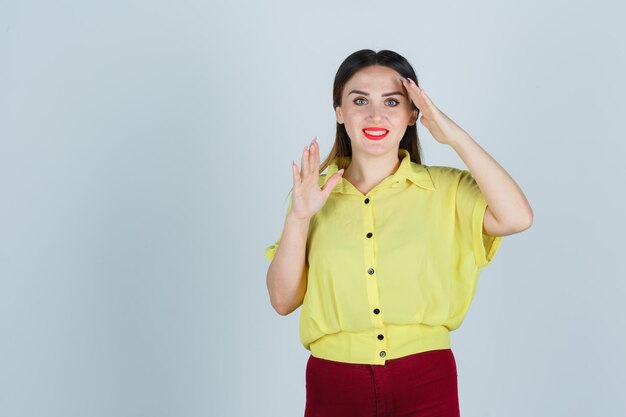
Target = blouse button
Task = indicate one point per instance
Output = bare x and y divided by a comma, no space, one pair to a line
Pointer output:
370,271
381,337
376,311
370,234
383,354
367,200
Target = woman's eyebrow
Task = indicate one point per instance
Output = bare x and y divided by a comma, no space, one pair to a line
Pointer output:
395,93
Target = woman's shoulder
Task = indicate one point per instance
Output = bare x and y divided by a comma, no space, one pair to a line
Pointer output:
440,174
438,169
449,177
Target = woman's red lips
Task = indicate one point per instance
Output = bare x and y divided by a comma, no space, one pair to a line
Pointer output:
375,133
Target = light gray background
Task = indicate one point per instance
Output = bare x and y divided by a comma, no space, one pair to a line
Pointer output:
145,152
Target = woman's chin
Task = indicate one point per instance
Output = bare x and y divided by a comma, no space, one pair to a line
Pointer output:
376,148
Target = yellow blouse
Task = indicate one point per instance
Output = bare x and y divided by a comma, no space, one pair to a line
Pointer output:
392,272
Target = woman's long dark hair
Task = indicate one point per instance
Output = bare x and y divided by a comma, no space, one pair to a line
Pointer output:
353,63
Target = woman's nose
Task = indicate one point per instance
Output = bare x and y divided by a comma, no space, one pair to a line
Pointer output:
376,112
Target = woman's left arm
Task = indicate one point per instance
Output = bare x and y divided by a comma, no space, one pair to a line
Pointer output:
508,210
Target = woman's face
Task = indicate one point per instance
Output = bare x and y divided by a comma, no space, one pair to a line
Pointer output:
375,110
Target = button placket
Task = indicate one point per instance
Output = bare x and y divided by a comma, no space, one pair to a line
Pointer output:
379,344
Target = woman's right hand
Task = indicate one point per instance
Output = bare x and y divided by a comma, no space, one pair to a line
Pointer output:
308,197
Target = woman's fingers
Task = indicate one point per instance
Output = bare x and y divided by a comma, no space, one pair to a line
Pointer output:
416,93
332,181
315,156
305,167
308,196
295,175
420,98
310,160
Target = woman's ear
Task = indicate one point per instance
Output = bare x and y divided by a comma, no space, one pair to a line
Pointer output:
413,117
339,115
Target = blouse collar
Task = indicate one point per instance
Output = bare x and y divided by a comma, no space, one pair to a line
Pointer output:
416,173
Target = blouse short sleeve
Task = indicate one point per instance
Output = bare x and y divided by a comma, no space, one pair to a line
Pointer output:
470,211
271,249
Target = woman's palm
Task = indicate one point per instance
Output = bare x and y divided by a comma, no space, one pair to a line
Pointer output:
308,198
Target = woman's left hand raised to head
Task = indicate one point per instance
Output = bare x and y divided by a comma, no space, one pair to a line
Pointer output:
440,126
508,210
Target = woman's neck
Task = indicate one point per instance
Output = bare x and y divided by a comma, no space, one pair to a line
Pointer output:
368,170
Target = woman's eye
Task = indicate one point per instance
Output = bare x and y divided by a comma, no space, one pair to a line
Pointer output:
360,101
393,102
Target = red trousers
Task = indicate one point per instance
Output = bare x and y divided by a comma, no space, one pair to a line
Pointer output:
419,385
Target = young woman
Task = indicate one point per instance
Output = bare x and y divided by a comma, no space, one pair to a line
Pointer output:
384,253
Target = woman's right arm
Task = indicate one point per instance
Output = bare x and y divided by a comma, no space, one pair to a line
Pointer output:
286,275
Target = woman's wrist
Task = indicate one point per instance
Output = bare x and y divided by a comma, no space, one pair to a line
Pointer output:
459,141
293,218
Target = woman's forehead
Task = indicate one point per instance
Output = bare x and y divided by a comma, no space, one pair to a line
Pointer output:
373,79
